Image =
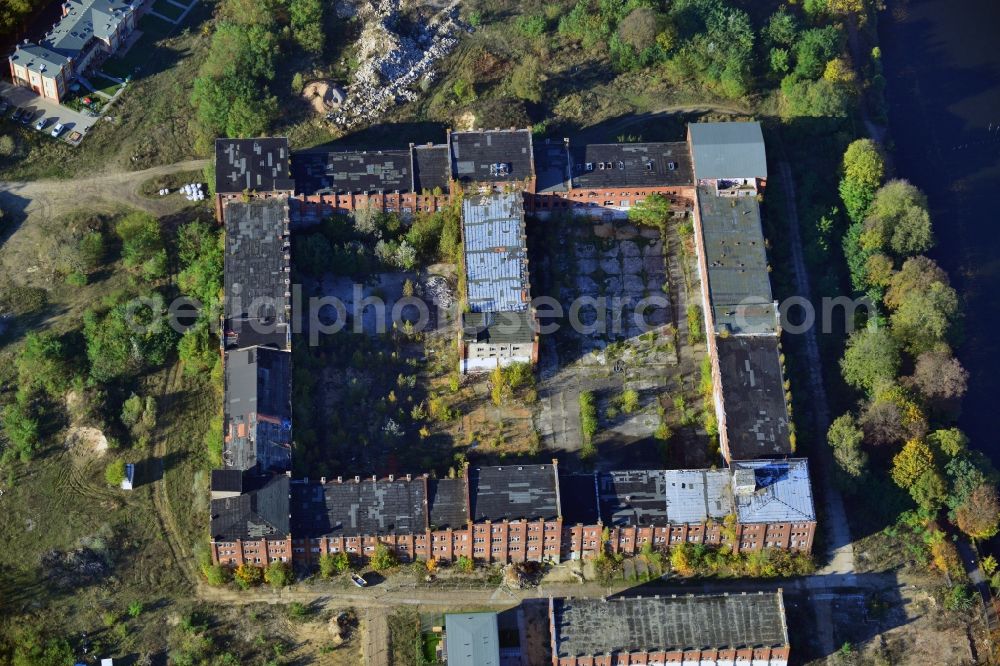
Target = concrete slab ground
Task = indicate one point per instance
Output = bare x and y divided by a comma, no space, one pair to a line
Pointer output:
25,98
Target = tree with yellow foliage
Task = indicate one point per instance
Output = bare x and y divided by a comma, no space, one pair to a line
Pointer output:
839,71
911,462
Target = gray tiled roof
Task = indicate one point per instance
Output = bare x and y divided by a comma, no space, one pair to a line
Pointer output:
586,627
85,20
257,268
447,503
492,155
633,497
496,253
603,165
728,150
39,59
431,168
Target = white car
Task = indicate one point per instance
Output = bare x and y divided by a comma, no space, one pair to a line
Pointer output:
57,130
40,125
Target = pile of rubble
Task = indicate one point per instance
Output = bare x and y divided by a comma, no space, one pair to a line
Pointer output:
437,290
392,65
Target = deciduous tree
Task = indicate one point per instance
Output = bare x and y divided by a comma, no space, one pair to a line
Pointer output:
979,515
871,358
845,438
898,220
939,376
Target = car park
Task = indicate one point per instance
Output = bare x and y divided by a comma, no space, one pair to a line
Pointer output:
57,130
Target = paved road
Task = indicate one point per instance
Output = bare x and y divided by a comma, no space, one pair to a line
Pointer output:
54,197
840,551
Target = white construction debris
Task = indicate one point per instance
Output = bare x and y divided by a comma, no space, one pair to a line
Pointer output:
392,65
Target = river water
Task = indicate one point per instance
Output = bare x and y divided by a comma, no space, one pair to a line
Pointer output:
942,64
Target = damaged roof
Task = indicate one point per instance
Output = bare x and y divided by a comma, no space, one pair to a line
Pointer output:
255,165
636,497
780,491
590,627
753,397
431,168
496,252
514,492
259,512
736,258
356,172
498,328
603,165
552,164
491,156
257,427
447,503
359,508
257,272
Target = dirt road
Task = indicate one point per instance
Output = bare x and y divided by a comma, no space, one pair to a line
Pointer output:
55,197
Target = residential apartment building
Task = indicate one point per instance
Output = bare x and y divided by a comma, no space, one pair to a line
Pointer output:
88,31
694,630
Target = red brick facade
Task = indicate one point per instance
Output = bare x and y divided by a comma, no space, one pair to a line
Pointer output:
758,656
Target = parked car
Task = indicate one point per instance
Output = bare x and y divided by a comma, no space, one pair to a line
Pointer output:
57,130
3,107
26,117
42,122
359,580
16,116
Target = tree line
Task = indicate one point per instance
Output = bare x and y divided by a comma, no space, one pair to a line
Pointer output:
901,360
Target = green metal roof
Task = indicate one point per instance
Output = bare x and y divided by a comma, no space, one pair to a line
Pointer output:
471,639
728,150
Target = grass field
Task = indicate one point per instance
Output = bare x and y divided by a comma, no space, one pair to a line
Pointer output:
106,86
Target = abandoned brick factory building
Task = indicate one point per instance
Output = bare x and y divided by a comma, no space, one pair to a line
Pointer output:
695,630
511,513
763,499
